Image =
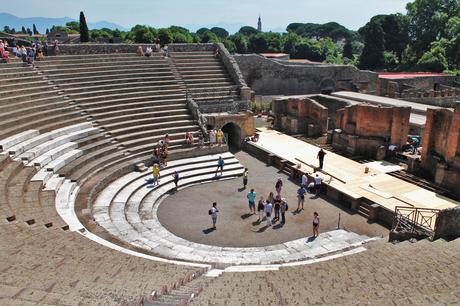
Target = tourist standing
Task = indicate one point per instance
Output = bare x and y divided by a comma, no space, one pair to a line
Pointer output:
220,165
268,212
260,209
140,51
220,137
156,174
318,181
271,197
320,157
300,197
200,140
165,51
252,195
245,177
176,179
315,224
277,208
284,208
191,140
213,212
304,180
212,137
279,186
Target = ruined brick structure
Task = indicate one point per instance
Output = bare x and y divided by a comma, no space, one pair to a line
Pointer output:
441,147
300,114
362,129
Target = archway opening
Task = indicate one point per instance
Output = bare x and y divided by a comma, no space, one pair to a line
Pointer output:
233,134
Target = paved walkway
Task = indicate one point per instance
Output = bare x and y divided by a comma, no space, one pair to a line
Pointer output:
185,213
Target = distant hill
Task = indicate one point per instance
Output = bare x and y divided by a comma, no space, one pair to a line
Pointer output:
43,23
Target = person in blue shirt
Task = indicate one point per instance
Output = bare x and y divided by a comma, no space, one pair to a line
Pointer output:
220,165
252,201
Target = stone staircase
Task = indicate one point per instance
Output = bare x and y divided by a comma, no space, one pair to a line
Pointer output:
205,76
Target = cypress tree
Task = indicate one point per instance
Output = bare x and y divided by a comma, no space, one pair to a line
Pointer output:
348,49
84,32
34,29
23,30
47,31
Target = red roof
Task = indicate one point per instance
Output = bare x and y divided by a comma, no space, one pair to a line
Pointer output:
408,75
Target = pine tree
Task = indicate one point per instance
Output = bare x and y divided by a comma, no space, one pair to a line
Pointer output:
374,46
34,29
84,32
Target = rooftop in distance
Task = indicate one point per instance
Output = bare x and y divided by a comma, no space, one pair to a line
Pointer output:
408,75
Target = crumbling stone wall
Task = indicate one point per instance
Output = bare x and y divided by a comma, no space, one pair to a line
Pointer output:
441,147
271,77
293,115
363,128
448,224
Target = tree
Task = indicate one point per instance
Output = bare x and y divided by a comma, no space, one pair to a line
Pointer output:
220,32
241,43
34,29
165,36
29,31
202,31
374,46
209,37
258,43
348,49
307,49
84,32
73,26
23,30
47,31
291,41
6,29
248,31
434,60
142,34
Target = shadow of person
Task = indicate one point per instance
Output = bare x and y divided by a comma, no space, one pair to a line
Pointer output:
241,189
245,216
311,239
263,229
257,222
278,226
208,230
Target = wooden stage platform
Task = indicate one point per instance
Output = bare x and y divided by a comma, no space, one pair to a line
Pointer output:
348,177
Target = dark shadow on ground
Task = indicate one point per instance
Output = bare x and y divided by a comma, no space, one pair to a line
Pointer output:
241,189
311,239
278,226
262,229
245,216
208,230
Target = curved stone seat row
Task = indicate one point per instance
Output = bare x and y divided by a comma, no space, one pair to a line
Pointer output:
127,209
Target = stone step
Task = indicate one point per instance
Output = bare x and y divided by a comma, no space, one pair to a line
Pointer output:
109,93
135,109
29,115
154,105
118,99
65,76
18,105
113,123
62,160
118,59
49,91
98,68
111,80
9,142
120,86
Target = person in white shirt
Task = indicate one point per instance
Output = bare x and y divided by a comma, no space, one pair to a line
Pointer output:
213,212
304,180
268,212
318,181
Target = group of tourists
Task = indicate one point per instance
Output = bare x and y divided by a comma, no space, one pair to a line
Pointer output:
37,51
216,137
150,49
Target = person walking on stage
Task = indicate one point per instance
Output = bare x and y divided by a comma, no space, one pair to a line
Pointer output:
156,174
315,224
301,197
284,208
268,212
220,165
260,209
318,180
245,177
279,186
304,180
252,201
320,157
213,212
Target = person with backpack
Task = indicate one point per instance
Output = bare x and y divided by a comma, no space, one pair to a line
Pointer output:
252,201
301,197
284,209
213,213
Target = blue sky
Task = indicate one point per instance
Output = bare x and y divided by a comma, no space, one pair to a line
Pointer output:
275,14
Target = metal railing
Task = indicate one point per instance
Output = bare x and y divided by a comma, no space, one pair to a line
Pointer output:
415,220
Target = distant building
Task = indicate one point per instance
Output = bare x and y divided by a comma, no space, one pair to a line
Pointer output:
259,24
